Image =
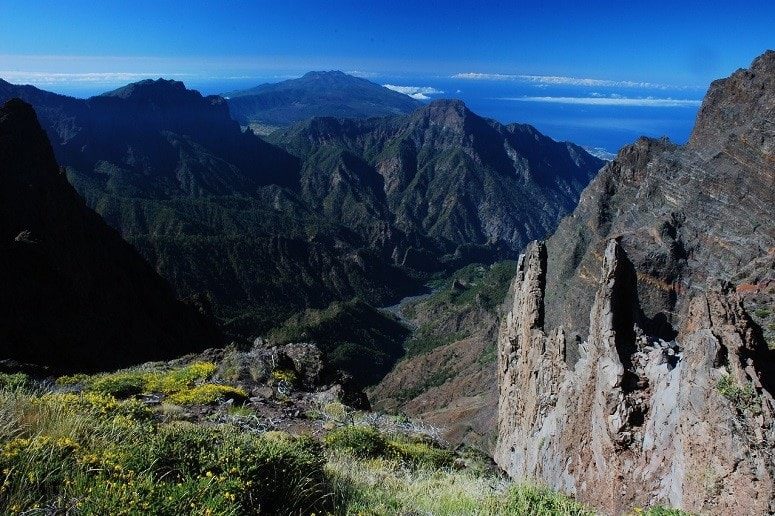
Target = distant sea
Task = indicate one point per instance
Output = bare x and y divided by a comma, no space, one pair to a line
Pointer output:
600,117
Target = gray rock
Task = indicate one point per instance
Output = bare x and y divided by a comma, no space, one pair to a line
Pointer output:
648,257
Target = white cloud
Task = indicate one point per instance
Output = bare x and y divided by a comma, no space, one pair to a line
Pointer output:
557,80
14,76
617,100
416,92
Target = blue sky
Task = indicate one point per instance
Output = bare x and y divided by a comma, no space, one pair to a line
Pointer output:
65,43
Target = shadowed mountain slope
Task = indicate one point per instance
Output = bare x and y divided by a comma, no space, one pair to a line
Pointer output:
75,295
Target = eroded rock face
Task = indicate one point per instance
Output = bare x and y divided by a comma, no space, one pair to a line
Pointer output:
630,372
639,421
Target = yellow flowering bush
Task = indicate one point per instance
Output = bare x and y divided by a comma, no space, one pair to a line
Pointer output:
180,379
97,404
284,375
123,384
207,394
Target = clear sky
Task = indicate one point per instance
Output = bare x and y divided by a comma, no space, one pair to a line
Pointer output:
675,43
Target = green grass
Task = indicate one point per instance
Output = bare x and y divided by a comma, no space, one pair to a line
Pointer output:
360,441
93,454
13,381
384,486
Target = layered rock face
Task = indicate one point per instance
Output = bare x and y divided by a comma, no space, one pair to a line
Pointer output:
630,372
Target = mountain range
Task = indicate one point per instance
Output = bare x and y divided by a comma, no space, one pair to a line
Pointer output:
330,210
631,365
332,93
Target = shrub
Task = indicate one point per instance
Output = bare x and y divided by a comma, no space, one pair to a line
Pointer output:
75,379
744,398
336,411
208,394
97,405
33,469
285,375
110,462
285,473
361,441
175,380
13,381
120,385
418,453
123,384
275,473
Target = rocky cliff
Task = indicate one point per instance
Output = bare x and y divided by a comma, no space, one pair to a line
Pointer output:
74,294
630,370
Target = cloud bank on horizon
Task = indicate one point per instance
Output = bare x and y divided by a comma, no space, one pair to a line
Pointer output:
51,78
559,80
617,100
416,92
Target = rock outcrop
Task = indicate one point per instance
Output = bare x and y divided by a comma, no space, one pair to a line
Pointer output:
630,372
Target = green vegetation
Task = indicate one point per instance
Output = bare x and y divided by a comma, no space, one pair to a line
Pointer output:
353,337
185,385
420,453
208,394
384,486
94,454
91,453
434,379
361,441
284,375
368,442
762,312
474,287
13,381
480,285
744,398
489,355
